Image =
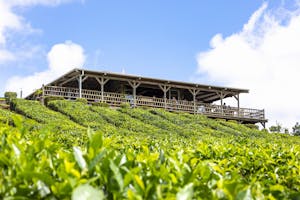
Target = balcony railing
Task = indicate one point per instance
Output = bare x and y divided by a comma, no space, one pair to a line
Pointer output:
116,99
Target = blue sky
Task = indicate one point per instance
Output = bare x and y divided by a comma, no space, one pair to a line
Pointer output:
181,40
153,38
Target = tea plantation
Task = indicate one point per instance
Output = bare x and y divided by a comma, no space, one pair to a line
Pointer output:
71,150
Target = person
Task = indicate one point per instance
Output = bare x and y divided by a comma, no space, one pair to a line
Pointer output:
201,109
175,103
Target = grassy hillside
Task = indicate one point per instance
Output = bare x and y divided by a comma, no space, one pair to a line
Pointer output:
75,149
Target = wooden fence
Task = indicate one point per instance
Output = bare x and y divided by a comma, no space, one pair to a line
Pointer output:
116,99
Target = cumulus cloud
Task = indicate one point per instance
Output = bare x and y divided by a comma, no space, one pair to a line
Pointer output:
11,21
61,58
6,56
264,57
8,21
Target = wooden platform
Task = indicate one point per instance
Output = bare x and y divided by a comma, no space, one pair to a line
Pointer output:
245,115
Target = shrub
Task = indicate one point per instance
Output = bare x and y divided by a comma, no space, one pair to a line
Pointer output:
252,126
38,92
9,96
101,104
51,98
82,100
265,130
233,121
125,105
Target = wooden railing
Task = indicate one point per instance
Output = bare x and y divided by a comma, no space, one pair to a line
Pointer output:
2,101
116,99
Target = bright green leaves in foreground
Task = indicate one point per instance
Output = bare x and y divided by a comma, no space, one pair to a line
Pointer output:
186,157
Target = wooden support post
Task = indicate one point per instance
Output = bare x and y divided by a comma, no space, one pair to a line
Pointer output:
43,94
165,89
80,86
81,79
222,95
134,85
237,97
194,92
102,81
263,124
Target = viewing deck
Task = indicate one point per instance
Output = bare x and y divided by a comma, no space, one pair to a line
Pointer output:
245,115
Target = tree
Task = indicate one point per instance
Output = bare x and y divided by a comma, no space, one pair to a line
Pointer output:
9,96
276,129
296,129
286,130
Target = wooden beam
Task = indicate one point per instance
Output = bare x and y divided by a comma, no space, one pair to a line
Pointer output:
84,78
68,80
237,97
212,98
202,88
165,89
102,81
208,95
80,86
221,95
263,124
134,85
194,92
80,83
72,78
43,94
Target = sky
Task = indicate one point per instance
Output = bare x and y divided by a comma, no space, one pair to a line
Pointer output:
246,44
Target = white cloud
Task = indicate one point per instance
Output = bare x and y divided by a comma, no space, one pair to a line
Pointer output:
11,21
66,55
61,58
8,21
6,56
264,57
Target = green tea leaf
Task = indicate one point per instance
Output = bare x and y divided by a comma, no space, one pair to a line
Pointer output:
79,158
117,174
185,193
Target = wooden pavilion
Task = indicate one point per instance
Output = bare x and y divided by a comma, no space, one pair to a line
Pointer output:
115,89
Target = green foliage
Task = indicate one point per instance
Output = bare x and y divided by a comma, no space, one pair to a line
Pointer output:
38,92
125,105
142,154
62,128
15,120
101,104
275,129
47,99
9,96
81,114
125,124
296,129
252,126
82,100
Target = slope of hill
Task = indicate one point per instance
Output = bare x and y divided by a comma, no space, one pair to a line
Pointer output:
75,149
